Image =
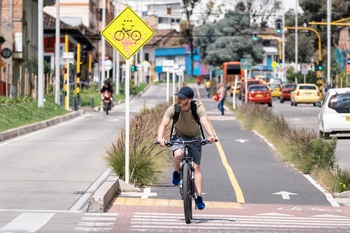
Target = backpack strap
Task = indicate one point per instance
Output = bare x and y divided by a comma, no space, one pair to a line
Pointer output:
175,117
194,114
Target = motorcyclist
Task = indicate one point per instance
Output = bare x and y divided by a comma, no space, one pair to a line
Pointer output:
106,87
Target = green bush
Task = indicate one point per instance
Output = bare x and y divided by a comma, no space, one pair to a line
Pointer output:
147,161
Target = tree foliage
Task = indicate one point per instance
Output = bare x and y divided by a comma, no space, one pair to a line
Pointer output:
229,39
187,31
306,50
316,11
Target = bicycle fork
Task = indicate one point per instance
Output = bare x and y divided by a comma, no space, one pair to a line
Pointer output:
192,185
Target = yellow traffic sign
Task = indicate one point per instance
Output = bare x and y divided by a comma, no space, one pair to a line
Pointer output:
274,65
127,33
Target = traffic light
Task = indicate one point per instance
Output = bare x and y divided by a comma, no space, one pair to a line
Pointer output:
278,26
319,66
255,36
280,62
133,68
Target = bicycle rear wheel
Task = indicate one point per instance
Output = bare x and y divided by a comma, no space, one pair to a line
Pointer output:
187,195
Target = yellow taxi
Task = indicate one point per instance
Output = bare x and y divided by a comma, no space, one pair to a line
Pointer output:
275,89
262,78
306,93
238,87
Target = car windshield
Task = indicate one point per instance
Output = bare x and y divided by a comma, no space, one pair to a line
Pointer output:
290,86
274,85
340,103
307,87
258,88
253,83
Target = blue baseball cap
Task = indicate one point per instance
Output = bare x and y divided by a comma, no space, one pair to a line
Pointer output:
185,92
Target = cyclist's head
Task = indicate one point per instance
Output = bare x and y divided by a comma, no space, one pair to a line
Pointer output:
185,92
106,81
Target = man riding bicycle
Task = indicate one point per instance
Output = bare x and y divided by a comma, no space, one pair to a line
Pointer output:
186,127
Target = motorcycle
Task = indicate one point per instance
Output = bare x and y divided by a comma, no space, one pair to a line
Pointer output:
107,101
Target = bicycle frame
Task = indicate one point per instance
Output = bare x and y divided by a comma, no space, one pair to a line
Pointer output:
187,183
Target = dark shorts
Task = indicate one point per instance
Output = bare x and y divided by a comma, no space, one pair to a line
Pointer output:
195,149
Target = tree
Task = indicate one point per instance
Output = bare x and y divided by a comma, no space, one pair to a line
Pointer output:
187,32
306,49
316,11
261,11
228,40
211,12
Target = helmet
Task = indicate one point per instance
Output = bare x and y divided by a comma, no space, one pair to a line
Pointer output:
106,81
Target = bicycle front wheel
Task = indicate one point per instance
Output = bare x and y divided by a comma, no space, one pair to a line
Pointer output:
187,196
119,35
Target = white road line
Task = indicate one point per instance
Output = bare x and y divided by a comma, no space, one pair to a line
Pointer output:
27,222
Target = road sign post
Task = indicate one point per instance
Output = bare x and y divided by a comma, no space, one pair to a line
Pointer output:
304,70
127,33
246,64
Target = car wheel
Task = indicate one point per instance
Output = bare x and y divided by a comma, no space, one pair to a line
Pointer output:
269,104
281,100
295,104
291,103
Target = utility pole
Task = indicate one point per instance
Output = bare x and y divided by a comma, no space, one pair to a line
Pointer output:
296,40
57,54
103,72
329,17
284,79
40,54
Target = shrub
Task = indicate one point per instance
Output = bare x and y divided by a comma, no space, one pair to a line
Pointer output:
147,161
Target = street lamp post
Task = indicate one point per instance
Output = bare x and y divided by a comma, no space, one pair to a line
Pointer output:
329,16
296,41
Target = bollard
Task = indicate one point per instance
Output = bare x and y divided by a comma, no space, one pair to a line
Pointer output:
74,104
78,101
61,100
92,105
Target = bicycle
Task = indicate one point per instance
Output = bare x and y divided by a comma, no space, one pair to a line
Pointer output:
187,185
120,34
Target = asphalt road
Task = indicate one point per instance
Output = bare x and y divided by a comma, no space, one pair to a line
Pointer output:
47,176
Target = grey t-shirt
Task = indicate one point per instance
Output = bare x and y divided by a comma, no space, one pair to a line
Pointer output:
186,125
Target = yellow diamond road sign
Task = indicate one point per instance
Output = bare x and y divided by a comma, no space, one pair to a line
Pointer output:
127,33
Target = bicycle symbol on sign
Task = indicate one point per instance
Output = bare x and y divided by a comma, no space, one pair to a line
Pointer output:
120,34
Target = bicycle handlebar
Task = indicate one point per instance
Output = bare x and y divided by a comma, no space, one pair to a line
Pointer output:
186,142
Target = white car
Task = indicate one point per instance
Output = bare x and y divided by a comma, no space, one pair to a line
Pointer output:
334,117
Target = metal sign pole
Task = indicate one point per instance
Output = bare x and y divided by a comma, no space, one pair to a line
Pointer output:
127,120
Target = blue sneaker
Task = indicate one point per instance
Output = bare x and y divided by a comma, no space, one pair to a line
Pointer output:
199,203
176,178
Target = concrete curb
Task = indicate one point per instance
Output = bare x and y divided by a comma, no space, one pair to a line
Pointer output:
12,133
105,194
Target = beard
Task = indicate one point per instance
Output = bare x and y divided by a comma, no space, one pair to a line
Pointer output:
184,105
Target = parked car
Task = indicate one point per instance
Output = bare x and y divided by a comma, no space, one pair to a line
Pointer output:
275,89
306,93
238,87
285,92
334,117
259,94
250,81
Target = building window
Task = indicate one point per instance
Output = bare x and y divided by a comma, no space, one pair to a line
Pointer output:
163,20
196,65
180,60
